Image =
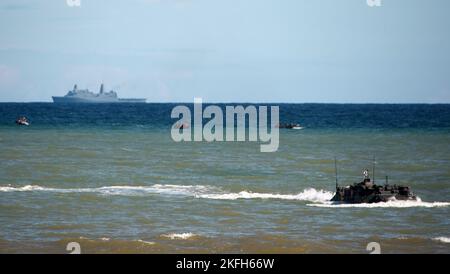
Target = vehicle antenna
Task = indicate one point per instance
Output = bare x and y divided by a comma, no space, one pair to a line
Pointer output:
336,172
373,170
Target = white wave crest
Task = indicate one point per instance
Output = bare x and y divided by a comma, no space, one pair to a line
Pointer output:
198,191
309,194
24,188
442,239
119,190
179,236
146,242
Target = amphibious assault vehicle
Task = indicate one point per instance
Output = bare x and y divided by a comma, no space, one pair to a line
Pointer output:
368,192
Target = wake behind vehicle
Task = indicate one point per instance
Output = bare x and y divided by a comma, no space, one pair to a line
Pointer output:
368,192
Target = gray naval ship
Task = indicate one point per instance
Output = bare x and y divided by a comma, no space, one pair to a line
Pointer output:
85,96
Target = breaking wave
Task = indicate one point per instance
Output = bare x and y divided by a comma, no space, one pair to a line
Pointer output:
24,188
117,190
197,191
146,242
179,236
442,239
309,194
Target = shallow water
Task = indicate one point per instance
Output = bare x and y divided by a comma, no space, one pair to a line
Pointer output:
119,183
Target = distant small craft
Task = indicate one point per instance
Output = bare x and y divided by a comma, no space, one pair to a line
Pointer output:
290,126
181,126
22,121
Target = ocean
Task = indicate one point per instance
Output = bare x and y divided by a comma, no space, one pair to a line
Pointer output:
111,178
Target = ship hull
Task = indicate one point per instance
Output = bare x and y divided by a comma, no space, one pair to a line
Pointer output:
73,100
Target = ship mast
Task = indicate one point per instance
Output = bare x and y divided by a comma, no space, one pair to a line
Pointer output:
101,89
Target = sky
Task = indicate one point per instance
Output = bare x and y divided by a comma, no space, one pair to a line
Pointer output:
293,51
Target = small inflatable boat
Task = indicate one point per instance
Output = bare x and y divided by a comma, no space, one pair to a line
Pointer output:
22,121
290,126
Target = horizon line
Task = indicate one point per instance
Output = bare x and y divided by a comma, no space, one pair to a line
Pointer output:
235,102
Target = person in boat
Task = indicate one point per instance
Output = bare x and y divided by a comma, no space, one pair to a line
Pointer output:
22,120
182,126
286,125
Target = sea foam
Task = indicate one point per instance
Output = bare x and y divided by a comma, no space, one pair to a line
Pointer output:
179,236
442,239
309,194
197,191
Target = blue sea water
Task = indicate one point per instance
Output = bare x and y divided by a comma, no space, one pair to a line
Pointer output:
110,177
314,116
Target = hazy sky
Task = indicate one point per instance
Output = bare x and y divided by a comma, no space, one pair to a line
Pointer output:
228,50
